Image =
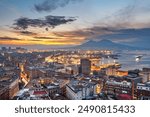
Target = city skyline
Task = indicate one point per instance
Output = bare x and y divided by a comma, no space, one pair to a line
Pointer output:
49,23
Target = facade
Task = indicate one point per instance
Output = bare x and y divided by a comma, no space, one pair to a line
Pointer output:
111,71
53,90
9,82
85,65
13,88
72,69
4,92
143,91
145,75
114,87
9,88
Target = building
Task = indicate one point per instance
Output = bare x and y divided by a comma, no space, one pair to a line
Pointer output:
72,69
122,73
9,83
53,89
35,72
4,92
21,67
9,87
145,75
85,65
82,90
13,87
143,91
116,87
111,71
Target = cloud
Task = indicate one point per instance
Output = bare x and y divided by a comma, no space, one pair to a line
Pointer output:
134,15
47,38
24,23
126,14
63,34
50,5
27,33
122,18
34,40
9,39
86,32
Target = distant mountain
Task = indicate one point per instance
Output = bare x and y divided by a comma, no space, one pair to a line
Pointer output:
105,44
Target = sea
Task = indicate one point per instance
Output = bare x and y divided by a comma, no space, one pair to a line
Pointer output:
129,60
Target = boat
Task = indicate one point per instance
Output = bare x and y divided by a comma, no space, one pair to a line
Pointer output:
138,58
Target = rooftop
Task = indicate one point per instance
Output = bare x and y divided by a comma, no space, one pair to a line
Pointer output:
78,85
119,83
147,84
27,94
39,93
124,97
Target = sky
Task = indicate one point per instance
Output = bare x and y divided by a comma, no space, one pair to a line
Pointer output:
42,23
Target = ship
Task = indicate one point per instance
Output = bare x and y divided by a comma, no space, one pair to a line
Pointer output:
138,58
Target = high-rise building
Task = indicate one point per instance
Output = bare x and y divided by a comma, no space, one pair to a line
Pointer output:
85,65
